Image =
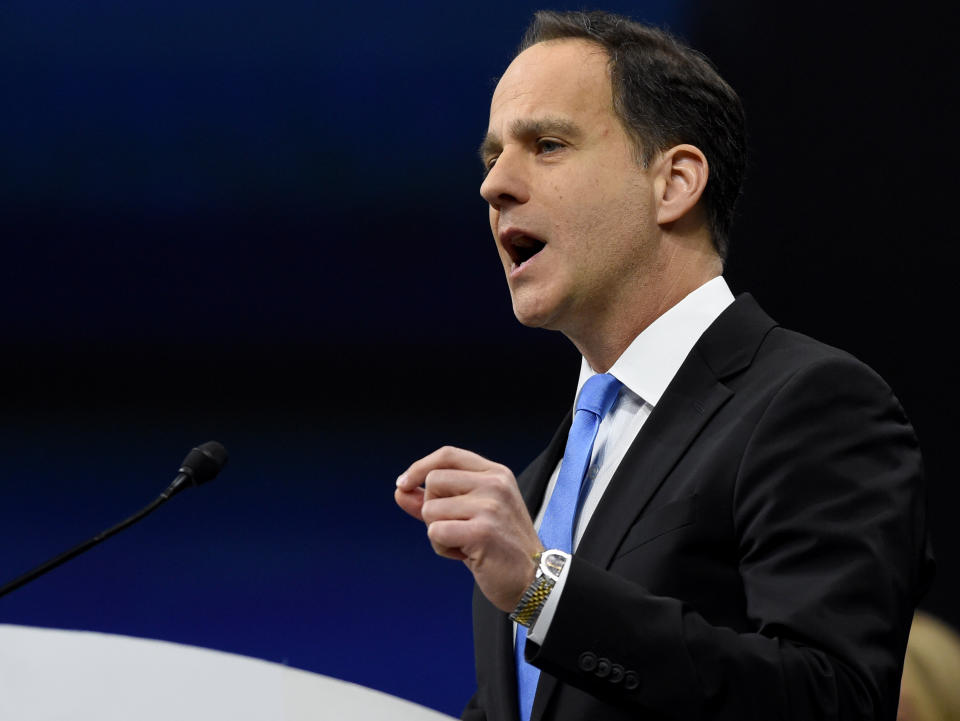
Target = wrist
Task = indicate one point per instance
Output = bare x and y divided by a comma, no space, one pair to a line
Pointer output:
550,565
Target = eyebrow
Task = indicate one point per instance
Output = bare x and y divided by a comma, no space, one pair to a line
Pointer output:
529,128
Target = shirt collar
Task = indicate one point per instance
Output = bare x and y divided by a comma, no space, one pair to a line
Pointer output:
651,361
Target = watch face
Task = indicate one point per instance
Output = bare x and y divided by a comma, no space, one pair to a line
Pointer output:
552,562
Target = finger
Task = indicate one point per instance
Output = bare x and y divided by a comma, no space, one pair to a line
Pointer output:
446,457
444,482
410,501
453,553
453,508
454,534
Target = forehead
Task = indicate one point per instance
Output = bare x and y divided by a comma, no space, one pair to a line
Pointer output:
558,77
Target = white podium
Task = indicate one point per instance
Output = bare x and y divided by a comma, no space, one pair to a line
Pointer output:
53,675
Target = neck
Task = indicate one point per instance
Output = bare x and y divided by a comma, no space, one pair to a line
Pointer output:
604,338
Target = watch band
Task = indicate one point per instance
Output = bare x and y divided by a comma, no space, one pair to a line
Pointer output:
549,565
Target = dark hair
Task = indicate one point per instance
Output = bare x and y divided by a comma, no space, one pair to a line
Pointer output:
664,93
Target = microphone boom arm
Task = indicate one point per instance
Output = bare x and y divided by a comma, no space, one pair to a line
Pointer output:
77,550
200,466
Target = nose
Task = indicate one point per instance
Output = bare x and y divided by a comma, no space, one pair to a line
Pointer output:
506,183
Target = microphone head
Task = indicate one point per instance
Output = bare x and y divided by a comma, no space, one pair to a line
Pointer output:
204,462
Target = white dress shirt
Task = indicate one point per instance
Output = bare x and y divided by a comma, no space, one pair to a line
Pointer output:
645,368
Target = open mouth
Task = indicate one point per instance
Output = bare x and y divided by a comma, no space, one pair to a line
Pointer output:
522,248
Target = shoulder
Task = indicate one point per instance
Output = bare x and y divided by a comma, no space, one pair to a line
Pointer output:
795,357
746,346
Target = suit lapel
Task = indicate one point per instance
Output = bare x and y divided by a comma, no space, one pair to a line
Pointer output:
686,406
694,395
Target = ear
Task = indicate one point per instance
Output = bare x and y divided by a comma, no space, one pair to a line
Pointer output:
681,178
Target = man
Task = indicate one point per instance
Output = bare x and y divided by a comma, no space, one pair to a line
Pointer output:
745,512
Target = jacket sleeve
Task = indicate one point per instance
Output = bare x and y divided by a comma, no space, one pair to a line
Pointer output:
830,545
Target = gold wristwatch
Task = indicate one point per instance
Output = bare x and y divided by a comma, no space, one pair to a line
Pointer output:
549,565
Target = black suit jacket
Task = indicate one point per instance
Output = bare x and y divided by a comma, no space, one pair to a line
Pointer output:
757,555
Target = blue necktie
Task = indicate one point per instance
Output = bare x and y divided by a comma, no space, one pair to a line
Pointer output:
556,529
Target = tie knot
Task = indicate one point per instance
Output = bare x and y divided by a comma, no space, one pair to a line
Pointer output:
598,394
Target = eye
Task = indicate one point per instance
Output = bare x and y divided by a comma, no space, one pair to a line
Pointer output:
488,166
549,145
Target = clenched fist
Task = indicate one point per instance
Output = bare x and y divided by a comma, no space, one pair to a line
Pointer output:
474,513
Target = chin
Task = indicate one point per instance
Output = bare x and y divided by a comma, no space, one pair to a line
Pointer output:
532,315
527,321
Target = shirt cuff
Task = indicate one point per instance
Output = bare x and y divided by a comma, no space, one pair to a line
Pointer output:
538,631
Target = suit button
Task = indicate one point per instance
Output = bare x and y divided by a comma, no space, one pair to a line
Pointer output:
630,680
587,661
616,673
603,668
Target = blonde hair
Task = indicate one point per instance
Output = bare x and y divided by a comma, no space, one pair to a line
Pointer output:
930,690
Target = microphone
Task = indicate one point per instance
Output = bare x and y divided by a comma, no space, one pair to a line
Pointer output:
202,464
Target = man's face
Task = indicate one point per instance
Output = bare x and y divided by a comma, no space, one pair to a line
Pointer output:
570,206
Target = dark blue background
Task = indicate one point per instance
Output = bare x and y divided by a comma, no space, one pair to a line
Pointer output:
261,224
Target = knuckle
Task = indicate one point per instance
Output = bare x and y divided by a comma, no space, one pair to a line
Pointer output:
439,537
434,532
446,452
427,511
433,477
502,483
484,529
488,507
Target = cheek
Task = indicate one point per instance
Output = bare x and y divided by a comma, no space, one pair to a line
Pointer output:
604,232
494,217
